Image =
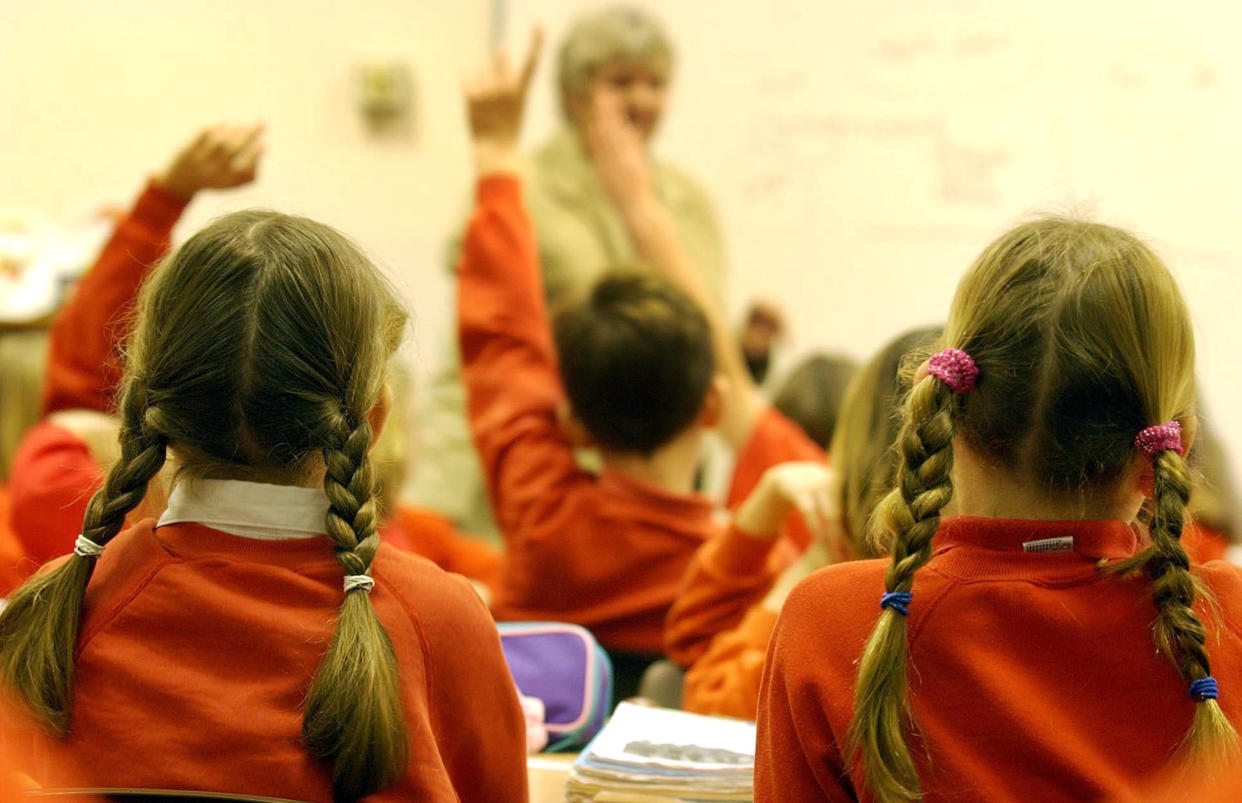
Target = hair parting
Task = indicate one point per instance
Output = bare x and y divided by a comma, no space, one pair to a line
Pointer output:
261,347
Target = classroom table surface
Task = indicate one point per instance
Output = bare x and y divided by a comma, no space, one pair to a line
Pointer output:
546,774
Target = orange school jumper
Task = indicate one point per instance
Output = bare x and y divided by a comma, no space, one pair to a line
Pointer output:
1203,543
606,552
727,577
1032,675
435,538
733,572
725,680
723,677
197,648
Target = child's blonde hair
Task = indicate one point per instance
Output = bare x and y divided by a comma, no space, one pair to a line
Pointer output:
1082,339
259,352
862,451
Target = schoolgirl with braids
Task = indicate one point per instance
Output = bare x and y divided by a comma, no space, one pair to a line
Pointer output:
736,584
258,639
1052,641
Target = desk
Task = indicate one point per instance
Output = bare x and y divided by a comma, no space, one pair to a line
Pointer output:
546,774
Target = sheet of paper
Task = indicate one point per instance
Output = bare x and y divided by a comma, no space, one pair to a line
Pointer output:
660,737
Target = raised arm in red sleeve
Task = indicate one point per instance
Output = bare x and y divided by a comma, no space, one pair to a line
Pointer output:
83,356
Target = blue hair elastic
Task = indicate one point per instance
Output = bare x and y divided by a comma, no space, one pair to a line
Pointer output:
1204,689
898,600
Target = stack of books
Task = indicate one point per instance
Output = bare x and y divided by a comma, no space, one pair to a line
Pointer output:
661,754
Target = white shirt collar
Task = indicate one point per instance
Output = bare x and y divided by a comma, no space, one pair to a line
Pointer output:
249,509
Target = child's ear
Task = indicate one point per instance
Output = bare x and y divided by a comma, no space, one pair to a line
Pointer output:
572,427
713,402
377,416
1145,478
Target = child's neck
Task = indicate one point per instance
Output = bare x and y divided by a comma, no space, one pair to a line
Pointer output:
673,467
983,488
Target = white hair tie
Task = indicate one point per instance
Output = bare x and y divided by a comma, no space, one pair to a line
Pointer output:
87,548
363,581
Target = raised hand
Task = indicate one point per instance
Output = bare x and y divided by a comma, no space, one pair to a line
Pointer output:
495,105
802,486
219,157
815,558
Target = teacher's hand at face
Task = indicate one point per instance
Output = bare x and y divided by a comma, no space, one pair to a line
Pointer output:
616,150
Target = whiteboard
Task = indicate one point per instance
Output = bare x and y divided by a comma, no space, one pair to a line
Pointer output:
862,153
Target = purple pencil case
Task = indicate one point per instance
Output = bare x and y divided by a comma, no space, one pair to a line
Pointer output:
564,666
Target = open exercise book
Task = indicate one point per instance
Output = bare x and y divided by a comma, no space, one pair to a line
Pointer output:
666,754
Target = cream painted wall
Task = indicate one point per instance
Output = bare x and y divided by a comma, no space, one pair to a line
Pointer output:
94,96
861,153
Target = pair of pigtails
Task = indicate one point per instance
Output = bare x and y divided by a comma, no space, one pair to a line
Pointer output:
912,511
39,624
353,715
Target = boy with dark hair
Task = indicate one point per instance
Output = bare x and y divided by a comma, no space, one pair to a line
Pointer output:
636,361
637,380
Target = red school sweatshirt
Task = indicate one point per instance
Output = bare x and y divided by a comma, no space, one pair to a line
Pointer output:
728,576
733,572
197,648
606,552
1032,674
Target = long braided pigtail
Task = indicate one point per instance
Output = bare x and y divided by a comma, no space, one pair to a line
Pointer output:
39,625
353,716
912,514
1178,631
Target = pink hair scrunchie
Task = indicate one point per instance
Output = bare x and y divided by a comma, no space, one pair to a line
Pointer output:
955,368
1153,440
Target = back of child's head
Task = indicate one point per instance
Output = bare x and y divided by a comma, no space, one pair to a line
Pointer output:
258,353
861,450
1081,340
636,360
811,396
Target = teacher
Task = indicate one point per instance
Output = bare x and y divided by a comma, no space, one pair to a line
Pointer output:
580,234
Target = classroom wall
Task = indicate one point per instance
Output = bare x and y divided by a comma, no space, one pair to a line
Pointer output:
95,96
861,153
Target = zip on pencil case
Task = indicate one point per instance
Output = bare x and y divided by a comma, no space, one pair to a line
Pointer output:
564,666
